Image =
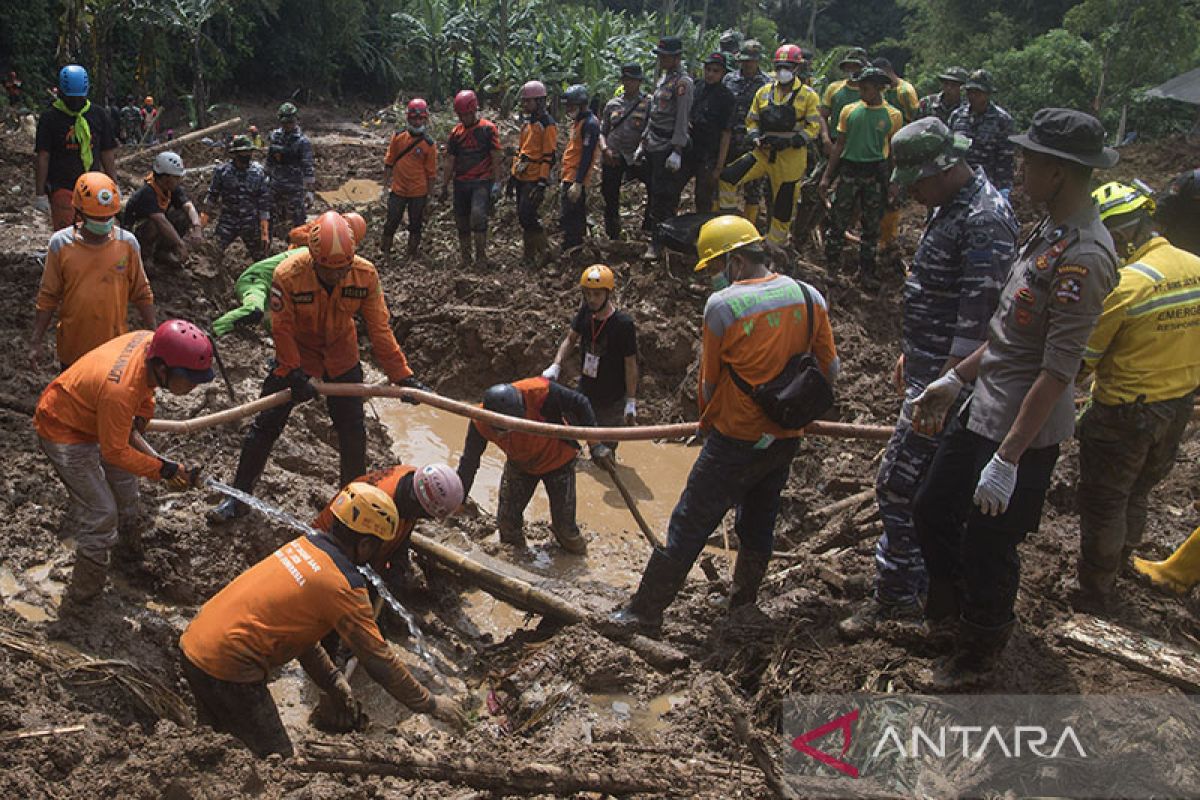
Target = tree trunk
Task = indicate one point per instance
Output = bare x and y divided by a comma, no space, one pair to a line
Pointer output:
199,98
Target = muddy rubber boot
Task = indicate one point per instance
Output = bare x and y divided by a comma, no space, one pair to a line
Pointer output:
413,248
129,547
748,572
251,463
514,537
541,248
526,249
385,248
662,580
875,614
480,238
612,228
465,259
1180,572
87,581
868,279
941,614
571,541
976,654
1091,591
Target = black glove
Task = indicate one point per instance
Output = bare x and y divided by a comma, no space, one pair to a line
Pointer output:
250,320
799,139
179,476
301,386
413,382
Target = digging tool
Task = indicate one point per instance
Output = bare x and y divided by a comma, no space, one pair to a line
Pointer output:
611,469
233,398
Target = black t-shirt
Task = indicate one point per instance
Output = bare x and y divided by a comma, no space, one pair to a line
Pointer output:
56,135
144,203
712,115
612,340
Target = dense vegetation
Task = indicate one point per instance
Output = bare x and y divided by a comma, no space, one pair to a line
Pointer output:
1094,54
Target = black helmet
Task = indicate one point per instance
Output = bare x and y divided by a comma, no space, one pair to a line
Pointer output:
504,398
576,95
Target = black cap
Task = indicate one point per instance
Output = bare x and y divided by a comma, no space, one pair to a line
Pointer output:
717,58
669,46
632,71
1070,135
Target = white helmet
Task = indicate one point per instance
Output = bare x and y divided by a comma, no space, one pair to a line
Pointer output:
168,163
438,490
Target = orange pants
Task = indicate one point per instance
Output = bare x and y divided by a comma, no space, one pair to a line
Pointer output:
62,213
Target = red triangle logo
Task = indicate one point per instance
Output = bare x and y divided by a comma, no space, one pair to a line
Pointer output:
843,723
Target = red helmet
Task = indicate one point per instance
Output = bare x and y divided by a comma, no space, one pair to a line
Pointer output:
533,90
789,54
331,241
181,345
417,108
465,102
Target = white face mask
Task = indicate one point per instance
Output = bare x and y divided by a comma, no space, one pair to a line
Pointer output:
785,75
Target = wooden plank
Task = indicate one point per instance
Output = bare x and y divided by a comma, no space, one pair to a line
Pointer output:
1179,666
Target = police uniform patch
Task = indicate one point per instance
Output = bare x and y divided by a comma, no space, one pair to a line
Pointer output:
1073,269
302,298
1043,263
1026,296
1068,290
356,292
1023,316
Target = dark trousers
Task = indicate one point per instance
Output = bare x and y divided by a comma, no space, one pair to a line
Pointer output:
471,206
611,178
529,205
727,474
572,217
516,490
243,710
665,189
396,207
248,231
609,415
154,243
703,167
348,421
968,554
1124,451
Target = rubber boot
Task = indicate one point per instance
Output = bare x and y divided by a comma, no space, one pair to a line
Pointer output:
941,614
87,580
977,651
541,248
875,614
1180,572
526,248
751,213
129,546
464,250
480,238
571,541
385,247
413,248
748,572
250,465
661,581
1092,590
868,279
612,228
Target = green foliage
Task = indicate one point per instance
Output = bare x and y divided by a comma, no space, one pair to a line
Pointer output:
1056,69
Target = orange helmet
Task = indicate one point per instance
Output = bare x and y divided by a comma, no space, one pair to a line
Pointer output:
298,236
357,224
149,101
96,196
331,241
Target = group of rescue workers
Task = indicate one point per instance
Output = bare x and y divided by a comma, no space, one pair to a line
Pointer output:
996,332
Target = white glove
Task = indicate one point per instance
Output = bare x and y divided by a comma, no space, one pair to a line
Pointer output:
309,199
41,203
574,192
996,485
630,411
674,161
931,406
552,372
639,155
383,197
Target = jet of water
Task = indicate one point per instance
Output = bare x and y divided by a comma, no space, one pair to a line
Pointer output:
284,518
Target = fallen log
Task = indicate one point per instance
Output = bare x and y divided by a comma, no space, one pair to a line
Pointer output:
741,726
1167,662
845,503
173,143
527,597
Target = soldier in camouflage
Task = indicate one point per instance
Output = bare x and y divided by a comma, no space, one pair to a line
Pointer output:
745,83
241,191
989,127
949,296
290,168
947,101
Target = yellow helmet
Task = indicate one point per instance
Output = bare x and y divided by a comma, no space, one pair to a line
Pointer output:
1117,199
597,276
368,510
722,234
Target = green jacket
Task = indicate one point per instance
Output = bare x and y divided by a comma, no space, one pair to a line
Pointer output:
252,287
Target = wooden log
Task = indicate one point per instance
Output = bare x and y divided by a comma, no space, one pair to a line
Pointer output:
528,597
741,726
845,503
173,143
1167,662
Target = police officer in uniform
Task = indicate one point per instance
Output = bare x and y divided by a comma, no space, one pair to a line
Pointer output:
987,484
666,137
950,295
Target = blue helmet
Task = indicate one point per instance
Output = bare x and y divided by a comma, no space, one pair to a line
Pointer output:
73,81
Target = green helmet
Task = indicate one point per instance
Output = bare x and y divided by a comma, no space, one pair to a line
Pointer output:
955,74
855,55
241,144
287,110
980,79
924,148
874,75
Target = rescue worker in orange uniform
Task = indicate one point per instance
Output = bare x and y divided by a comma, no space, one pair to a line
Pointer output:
86,422
93,271
533,459
279,610
579,159
473,162
410,168
315,296
531,171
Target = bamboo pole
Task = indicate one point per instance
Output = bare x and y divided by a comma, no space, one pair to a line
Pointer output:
187,137
220,417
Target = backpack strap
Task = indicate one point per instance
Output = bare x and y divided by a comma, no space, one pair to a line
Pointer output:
740,382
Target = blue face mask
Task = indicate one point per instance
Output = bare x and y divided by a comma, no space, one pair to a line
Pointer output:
100,227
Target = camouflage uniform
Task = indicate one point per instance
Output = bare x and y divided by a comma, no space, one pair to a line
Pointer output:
935,105
949,296
744,89
290,168
990,148
244,197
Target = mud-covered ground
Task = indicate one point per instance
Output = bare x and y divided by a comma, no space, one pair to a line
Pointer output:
602,709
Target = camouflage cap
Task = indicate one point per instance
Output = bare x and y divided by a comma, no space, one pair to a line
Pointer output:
241,144
874,75
751,50
924,148
955,74
730,40
981,80
855,55
287,110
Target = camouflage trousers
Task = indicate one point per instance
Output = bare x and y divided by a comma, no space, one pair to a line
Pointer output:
287,208
901,575
1124,452
231,229
864,184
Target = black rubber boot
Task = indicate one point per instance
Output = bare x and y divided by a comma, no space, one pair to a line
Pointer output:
748,572
352,454
661,581
413,248
977,651
941,614
87,581
480,238
612,228
875,614
464,250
